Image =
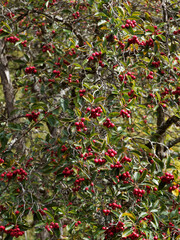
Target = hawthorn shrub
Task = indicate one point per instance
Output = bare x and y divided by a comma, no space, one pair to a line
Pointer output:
89,130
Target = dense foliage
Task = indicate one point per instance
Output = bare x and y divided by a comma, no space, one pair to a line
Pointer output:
89,131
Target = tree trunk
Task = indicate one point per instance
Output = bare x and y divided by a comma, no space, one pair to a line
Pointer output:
5,79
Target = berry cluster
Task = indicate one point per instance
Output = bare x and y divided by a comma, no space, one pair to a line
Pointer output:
51,226
150,75
77,184
176,32
111,152
82,92
167,178
13,232
113,229
42,212
95,54
133,235
125,177
33,116
78,181
149,43
48,47
24,43
121,45
80,125
177,91
129,23
151,95
108,123
70,78
106,211
138,192
132,94
125,113
63,148
101,64
148,188
1,160
10,14
30,70
165,92
51,80
117,165
124,78
134,40
76,15
12,39
95,112
77,223
99,161
68,171
14,173
72,52
148,217
115,205
173,188
57,73
86,154
156,64
28,163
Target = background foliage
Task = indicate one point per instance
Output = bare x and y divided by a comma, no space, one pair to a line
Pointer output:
89,132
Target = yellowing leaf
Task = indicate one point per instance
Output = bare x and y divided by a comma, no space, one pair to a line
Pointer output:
175,192
130,215
88,44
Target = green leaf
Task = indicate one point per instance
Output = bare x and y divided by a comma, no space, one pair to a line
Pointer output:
127,232
102,22
114,114
6,25
67,119
99,99
9,227
136,176
108,159
131,216
127,7
160,162
162,37
151,28
87,99
143,175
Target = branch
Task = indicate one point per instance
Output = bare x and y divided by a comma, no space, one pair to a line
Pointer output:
162,129
173,142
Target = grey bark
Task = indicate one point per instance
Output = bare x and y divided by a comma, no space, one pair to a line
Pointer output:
5,79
